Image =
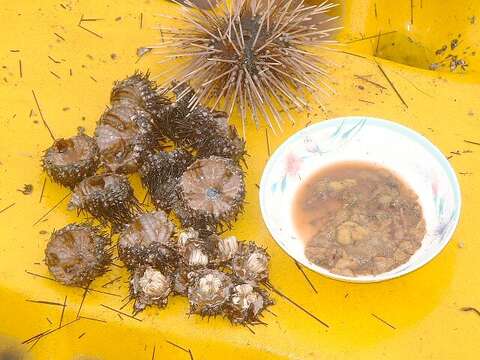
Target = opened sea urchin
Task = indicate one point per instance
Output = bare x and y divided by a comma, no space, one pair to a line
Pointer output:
253,54
77,254
69,161
211,191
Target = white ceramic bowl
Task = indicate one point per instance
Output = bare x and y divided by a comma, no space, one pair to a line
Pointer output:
410,155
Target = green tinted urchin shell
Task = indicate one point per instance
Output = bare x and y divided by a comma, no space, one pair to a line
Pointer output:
107,197
69,161
149,286
139,90
208,291
148,241
160,172
211,192
77,254
124,135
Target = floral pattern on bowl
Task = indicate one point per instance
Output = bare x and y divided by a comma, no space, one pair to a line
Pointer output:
415,159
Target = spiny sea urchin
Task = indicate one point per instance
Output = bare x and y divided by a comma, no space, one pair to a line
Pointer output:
160,173
253,54
148,241
211,192
69,161
201,129
108,197
124,134
77,254
139,90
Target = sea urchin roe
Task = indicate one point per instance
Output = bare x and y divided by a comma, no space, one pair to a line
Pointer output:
358,219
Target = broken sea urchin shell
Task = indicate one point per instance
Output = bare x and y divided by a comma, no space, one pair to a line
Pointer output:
247,304
250,264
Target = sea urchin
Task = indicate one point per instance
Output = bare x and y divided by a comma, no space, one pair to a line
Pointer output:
253,54
211,192
77,254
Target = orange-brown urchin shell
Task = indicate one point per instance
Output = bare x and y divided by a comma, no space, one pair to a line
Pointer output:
108,197
250,263
149,286
148,241
246,304
139,90
77,254
254,55
124,134
160,173
69,161
208,291
211,192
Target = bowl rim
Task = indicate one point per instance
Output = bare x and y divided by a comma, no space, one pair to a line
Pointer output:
396,127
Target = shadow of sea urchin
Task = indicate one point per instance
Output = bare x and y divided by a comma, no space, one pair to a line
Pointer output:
252,54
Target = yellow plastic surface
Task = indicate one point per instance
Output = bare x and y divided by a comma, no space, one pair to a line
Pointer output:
71,72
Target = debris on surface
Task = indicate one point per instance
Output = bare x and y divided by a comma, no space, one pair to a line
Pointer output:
27,189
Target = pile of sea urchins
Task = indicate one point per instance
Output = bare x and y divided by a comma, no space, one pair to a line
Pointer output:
189,162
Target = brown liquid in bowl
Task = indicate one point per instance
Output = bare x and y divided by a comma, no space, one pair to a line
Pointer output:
357,218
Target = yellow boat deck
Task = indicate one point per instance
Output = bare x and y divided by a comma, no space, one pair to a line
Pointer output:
70,65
